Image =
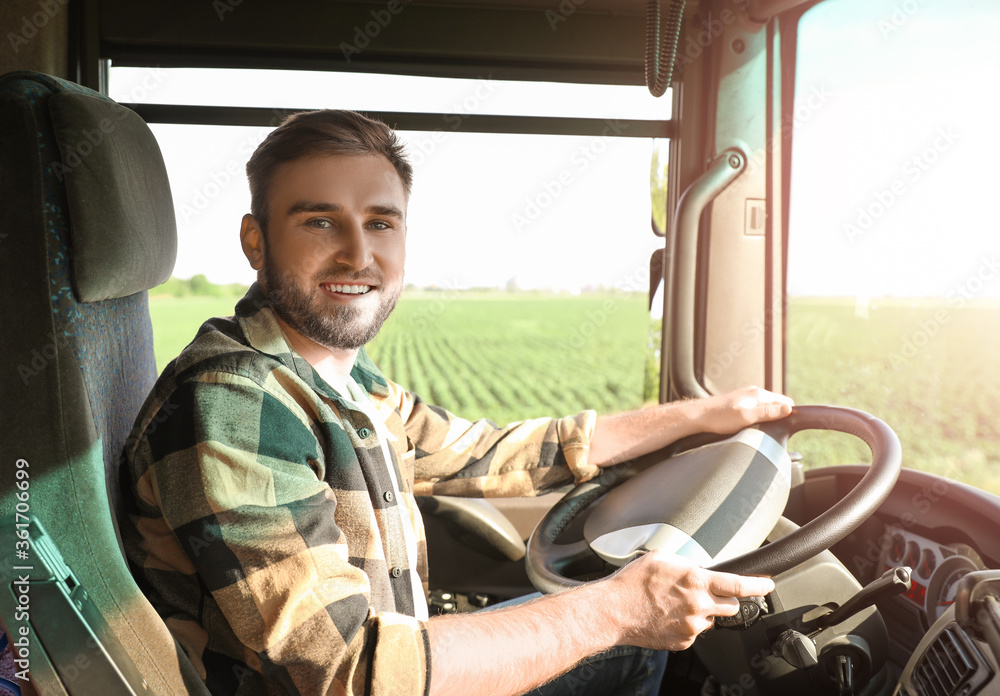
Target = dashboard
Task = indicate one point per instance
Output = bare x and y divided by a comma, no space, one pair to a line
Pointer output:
943,530
936,569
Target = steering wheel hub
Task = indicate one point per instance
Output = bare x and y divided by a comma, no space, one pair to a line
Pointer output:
710,504
714,504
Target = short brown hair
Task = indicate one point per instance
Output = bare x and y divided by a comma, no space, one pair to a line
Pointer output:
324,132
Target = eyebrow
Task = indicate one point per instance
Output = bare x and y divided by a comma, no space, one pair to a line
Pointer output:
321,207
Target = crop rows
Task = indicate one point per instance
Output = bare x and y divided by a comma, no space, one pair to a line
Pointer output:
927,369
509,358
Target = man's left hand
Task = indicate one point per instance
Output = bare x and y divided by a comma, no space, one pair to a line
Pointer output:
735,410
620,437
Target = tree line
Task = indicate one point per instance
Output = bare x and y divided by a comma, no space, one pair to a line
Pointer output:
197,286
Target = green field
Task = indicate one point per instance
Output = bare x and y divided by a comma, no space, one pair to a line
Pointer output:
929,369
926,369
514,357
176,321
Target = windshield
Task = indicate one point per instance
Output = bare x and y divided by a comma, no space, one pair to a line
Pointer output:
894,259
527,257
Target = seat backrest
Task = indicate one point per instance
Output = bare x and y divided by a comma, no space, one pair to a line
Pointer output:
86,228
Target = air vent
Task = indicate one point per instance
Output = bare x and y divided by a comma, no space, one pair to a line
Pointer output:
952,665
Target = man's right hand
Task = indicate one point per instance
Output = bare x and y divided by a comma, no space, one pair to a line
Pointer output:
658,601
667,601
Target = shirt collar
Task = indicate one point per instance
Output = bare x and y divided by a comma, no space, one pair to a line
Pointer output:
264,334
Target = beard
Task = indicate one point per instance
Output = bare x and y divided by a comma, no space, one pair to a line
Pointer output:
336,328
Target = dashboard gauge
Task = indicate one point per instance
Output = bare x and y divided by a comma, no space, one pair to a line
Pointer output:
897,552
966,550
941,589
912,557
928,563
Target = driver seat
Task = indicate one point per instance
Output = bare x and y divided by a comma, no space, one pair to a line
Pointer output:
87,227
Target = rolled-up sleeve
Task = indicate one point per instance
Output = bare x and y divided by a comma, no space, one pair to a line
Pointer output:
454,456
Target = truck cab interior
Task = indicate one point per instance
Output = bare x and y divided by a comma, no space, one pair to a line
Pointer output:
773,122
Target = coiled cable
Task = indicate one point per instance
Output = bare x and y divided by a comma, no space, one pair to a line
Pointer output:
661,46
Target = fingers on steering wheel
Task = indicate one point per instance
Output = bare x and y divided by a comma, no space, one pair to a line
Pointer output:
775,411
725,606
729,585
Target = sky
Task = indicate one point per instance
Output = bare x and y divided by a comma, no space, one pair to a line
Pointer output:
485,208
893,189
892,185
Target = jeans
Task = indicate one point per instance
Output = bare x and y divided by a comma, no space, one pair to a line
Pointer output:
621,671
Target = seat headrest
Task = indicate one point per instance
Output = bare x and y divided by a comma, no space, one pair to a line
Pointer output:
123,232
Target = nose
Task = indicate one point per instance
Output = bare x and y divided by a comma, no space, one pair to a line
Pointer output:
353,248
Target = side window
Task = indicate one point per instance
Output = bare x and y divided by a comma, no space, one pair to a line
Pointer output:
894,257
527,255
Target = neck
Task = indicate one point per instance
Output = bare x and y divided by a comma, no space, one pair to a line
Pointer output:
333,364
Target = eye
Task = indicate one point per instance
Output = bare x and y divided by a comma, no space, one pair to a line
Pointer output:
320,223
380,225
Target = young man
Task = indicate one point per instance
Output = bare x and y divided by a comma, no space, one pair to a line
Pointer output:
272,518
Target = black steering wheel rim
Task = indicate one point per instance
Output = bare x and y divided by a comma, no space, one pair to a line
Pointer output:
546,559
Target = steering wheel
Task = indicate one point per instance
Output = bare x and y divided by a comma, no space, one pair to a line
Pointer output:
548,561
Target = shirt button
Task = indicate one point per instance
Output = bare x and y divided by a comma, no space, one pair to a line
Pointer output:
364,432
397,571
388,496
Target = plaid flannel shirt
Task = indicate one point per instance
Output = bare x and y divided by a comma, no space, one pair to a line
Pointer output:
261,523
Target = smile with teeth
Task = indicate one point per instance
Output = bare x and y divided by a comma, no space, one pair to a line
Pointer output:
347,289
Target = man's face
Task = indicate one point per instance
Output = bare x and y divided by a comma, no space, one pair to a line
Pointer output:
335,247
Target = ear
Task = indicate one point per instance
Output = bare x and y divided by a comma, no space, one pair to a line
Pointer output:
252,240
